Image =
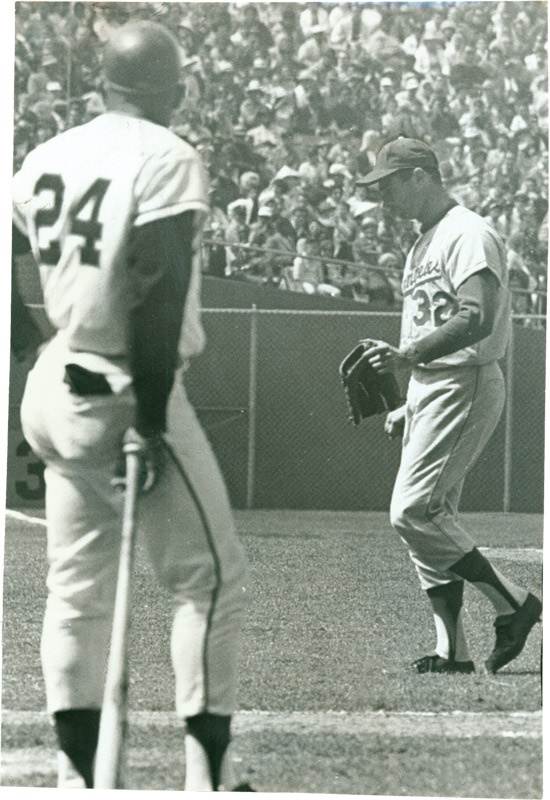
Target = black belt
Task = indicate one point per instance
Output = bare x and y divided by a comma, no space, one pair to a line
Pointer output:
83,382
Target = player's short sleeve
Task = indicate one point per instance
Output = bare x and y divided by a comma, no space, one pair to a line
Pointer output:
473,249
170,183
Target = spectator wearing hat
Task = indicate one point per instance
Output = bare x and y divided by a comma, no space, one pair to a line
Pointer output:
48,72
448,30
430,57
309,108
254,110
315,47
411,86
283,189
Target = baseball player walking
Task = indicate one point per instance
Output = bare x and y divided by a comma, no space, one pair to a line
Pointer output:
112,211
455,327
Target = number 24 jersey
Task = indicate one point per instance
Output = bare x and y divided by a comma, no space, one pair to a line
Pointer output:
77,198
441,259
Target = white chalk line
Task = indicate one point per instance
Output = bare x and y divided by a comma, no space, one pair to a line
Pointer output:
456,724
20,762
526,554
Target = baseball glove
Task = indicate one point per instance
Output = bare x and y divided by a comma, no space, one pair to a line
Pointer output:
367,392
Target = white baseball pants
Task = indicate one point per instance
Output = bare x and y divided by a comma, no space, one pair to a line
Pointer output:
188,529
450,415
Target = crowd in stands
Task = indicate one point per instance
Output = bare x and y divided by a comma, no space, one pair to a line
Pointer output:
288,104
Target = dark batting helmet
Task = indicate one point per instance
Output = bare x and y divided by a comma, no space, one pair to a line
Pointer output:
142,58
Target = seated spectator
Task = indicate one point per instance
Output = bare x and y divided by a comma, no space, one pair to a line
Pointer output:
254,110
237,232
268,265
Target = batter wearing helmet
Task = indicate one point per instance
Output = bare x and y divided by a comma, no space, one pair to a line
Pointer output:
455,327
112,211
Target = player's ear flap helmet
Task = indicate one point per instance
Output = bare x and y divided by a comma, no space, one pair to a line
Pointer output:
142,58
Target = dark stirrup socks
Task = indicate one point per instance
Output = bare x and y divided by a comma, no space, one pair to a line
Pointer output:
212,732
475,568
451,593
77,734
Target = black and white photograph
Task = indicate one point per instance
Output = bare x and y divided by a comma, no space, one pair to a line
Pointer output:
275,426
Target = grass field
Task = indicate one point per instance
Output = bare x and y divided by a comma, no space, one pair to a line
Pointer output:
328,703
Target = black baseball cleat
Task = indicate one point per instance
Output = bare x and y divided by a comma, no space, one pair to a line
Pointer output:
512,631
243,787
437,663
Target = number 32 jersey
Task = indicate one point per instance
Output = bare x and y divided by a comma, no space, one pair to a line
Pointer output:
77,198
441,259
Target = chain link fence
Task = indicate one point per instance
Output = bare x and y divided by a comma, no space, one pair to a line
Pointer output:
277,419
268,392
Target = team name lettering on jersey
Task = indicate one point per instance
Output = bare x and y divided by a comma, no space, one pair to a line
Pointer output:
420,274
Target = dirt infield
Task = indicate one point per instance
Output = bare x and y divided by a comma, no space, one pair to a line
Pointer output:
328,703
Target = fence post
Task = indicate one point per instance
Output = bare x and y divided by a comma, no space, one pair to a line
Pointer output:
252,384
508,423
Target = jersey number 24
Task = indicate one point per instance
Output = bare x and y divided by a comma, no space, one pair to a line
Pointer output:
87,225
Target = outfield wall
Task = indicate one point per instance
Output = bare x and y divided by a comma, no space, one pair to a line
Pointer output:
268,392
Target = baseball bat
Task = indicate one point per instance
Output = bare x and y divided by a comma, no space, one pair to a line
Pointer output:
113,726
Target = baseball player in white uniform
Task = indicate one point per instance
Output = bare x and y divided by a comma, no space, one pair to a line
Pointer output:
112,211
455,326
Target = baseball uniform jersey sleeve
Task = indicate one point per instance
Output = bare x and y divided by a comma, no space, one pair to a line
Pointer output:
441,260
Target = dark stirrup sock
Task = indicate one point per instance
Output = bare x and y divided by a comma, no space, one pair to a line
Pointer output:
212,732
77,733
452,593
475,568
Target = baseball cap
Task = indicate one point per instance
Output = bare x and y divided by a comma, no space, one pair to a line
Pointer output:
400,154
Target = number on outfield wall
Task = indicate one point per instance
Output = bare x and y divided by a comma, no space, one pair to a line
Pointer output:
35,489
